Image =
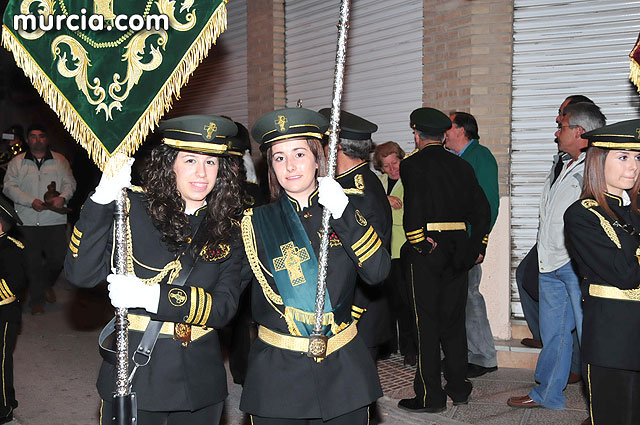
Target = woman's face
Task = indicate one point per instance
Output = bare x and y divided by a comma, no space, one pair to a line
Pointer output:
391,166
621,170
195,177
295,167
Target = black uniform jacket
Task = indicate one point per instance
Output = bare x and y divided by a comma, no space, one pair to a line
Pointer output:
286,384
440,187
607,256
12,278
177,377
366,193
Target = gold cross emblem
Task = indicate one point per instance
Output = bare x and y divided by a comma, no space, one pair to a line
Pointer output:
210,129
281,121
104,8
292,258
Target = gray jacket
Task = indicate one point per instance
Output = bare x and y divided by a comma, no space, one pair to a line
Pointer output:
552,252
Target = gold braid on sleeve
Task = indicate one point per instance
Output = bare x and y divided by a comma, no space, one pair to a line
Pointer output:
608,228
250,247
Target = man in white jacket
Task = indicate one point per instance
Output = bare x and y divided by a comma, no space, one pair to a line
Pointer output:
560,296
29,176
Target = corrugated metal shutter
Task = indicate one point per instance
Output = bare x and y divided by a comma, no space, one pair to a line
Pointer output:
219,84
561,48
383,75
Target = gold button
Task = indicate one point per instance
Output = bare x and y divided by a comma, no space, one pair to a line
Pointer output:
307,214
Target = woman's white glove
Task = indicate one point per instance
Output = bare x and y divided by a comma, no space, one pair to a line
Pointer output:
332,197
109,187
127,291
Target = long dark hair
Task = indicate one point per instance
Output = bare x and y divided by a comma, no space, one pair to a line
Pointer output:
594,185
165,205
315,147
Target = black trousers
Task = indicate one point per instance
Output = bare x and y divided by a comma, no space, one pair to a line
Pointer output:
401,304
439,302
209,415
8,336
357,417
50,241
614,394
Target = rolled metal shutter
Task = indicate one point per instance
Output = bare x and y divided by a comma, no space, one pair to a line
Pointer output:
383,74
561,48
219,84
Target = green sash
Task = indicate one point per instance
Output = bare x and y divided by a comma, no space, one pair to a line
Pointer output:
292,262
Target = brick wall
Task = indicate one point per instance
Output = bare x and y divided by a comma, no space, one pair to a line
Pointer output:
265,61
467,59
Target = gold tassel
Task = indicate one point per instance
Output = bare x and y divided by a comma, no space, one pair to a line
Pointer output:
634,73
74,123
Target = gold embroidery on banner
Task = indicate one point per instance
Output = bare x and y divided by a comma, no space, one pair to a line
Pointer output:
291,260
45,9
104,8
119,89
177,297
360,219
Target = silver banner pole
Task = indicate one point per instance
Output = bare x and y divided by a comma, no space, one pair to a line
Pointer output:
318,342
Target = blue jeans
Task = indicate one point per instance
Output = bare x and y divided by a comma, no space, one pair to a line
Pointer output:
530,309
560,313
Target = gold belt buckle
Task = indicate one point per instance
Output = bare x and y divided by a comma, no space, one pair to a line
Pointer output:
182,332
317,346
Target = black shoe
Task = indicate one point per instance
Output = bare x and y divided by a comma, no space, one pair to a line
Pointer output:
474,370
409,359
414,405
461,402
6,419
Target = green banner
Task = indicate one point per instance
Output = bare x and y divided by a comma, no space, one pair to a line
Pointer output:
110,68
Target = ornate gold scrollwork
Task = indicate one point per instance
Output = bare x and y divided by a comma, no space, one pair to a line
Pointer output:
45,8
79,57
167,7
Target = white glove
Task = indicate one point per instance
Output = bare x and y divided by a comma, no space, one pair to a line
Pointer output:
127,291
109,188
332,197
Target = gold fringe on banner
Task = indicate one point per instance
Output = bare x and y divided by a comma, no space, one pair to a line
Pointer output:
161,103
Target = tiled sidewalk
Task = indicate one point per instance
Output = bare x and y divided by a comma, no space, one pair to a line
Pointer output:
488,403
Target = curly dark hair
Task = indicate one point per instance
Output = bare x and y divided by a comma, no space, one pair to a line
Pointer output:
165,205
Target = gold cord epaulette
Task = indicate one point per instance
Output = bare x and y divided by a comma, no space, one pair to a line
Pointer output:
606,226
17,242
172,268
137,189
251,249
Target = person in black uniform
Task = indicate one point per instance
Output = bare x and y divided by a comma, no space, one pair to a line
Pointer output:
446,221
286,383
602,233
370,303
184,265
12,281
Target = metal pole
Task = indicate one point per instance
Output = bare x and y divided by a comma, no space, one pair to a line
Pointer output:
318,343
122,324
124,402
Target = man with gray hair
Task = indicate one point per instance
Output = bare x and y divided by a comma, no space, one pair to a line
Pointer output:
560,296
370,304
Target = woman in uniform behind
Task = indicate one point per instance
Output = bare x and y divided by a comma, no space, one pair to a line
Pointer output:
602,232
183,269
286,384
